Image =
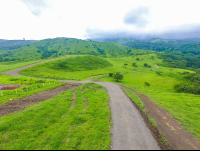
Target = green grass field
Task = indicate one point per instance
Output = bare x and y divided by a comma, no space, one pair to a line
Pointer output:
65,122
5,66
182,106
33,86
117,66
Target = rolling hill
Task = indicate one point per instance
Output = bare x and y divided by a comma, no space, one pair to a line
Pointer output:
52,48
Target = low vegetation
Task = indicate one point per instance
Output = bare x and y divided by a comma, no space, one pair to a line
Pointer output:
184,107
27,87
77,119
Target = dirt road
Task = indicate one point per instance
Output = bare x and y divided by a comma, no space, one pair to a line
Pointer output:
129,131
23,103
15,72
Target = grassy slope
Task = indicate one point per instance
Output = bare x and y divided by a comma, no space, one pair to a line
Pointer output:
118,63
69,46
182,106
25,83
53,124
6,66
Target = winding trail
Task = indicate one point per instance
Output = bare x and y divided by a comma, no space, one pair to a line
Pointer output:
129,130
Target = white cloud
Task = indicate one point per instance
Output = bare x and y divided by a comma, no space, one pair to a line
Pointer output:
32,19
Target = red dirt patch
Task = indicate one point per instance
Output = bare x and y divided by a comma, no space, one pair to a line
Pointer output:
177,137
8,88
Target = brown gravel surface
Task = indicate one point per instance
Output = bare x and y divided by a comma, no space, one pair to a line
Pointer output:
23,103
178,138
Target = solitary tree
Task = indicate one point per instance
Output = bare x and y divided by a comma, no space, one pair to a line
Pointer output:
118,76
138,59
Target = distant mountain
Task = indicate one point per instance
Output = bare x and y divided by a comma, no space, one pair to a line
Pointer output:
51,48
185,45
14,44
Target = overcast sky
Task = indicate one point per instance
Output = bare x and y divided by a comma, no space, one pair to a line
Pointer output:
41,19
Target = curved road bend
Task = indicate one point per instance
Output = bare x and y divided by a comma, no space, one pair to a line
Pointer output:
129,131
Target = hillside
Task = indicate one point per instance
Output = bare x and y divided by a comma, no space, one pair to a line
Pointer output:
14,44
183,54
52,48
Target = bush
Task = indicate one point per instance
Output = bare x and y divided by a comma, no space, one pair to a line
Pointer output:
110,74
134,64
147,84
145,64
138,59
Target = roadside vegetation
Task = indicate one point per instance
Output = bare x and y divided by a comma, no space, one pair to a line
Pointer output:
26,87
86,72
159,136
184,107
77,119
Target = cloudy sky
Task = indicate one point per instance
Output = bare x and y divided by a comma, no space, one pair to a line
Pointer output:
41,19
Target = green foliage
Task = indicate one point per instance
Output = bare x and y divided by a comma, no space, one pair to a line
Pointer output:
118,76
53,48
134,64
191,85
110,74
57,125
138,59
147,84
145,64
14,44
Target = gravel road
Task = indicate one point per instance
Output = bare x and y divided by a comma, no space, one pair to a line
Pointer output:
129,131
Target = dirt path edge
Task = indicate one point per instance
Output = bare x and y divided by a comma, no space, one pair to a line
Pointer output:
177,136
154,130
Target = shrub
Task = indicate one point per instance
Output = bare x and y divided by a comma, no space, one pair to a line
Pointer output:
110,74
145,64
134,64
147,84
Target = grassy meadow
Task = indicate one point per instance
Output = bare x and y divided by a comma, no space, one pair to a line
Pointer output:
184,107
5,66
76,119
49,70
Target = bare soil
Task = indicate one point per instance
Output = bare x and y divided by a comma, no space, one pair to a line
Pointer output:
178,138
17,105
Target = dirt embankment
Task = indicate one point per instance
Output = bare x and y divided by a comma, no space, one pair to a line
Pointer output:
178,138
17,105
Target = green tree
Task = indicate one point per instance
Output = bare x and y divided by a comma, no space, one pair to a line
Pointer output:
138,59
118,76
